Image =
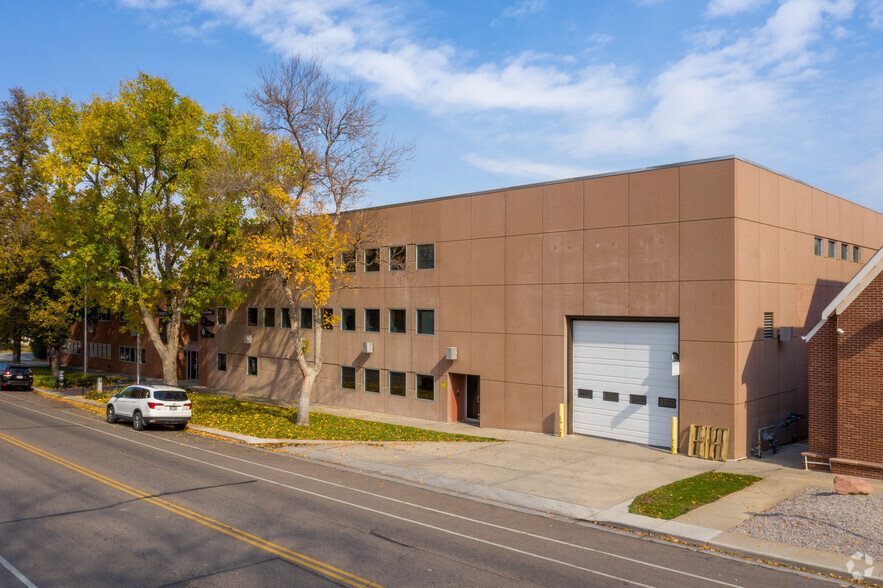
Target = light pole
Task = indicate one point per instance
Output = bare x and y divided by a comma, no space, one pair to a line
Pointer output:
138,357
85,330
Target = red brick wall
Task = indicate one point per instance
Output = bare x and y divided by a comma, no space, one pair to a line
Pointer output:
116,334
860,377
823,389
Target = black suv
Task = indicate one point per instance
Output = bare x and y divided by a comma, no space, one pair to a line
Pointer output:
16,375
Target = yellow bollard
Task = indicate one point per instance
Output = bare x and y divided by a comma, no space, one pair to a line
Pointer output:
674,435
562,428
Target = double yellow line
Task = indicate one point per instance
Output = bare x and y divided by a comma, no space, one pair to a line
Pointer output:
287,554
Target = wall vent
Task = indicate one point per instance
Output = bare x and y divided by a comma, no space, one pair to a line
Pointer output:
767,325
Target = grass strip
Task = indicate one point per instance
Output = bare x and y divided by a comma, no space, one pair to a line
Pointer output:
673,500
268,421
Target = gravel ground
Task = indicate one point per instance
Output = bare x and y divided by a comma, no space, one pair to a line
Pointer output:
820,519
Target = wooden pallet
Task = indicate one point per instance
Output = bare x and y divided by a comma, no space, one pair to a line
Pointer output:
709,442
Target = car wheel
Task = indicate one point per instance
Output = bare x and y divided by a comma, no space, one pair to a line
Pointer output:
180,426
111,415
137,422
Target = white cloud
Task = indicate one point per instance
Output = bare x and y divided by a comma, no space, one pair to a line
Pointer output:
875,13
732,91
523,8
147,4
706,38
732,7
600,39
525,168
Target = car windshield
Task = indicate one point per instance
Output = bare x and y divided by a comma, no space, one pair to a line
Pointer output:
170,395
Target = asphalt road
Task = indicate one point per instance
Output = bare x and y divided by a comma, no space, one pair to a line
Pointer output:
83,502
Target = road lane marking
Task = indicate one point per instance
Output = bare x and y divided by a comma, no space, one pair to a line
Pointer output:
283,552
21,577
624,558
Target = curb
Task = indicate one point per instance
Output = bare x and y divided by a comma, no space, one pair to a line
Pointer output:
614,518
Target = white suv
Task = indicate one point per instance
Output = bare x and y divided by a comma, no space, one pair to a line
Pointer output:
150,405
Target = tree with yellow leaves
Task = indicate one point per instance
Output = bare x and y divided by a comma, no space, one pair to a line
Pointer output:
332,132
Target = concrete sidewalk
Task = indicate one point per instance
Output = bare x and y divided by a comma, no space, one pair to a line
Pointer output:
588,479
584,479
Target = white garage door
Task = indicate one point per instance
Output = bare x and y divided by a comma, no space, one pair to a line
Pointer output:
623,387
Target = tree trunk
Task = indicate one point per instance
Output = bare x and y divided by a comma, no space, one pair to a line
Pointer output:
16,349
303,401
54,355
168,352
170,365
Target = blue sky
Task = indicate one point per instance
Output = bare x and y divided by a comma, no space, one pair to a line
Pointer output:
506,92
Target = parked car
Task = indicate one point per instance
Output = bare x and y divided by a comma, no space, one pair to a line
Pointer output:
150,405
16,375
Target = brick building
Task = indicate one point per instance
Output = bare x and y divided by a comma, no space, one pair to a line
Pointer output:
631,297
846,378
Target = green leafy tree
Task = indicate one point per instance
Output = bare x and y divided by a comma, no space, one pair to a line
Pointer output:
23,206
151,221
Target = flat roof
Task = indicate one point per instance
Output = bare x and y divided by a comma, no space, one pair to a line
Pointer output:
594,176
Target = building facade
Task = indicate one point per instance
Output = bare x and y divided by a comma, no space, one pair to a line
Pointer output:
846,378
630,298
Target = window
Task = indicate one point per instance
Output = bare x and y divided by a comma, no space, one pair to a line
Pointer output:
832,248
611,396
348,260
372,260
372,381
252,317
286,318
306,318
397,384
581,393
856,254
767,325
397,320
347,319
130,354
668,402
425,322
222,315
251,365
372,320
347,377
222,362
426,256
398,257
637,399
72,347
818,246
328,318
122,317
844,251
425,387
99,350
270,317
104,315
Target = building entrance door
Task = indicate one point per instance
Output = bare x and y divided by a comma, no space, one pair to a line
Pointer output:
465,397
473,398
191,361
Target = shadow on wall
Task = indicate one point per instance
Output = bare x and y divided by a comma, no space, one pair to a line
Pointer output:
775,372
852,344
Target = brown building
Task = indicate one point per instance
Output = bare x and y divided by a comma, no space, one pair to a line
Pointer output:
632,297
846,378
